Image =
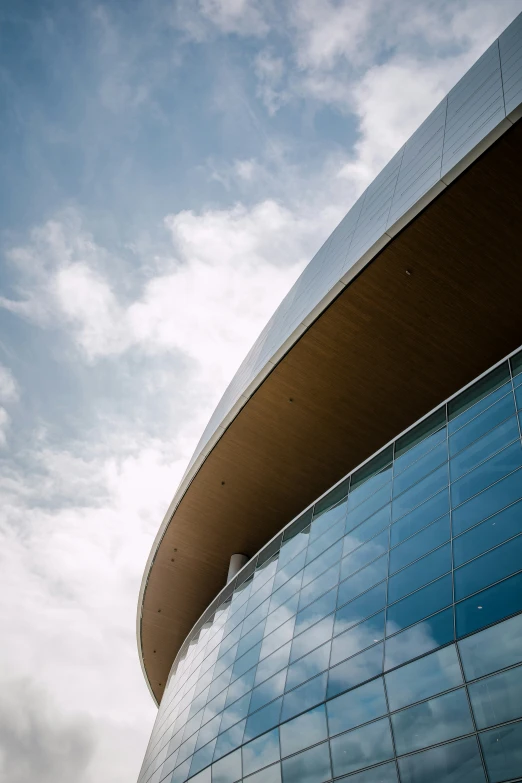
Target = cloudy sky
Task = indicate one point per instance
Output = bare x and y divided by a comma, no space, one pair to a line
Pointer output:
167,168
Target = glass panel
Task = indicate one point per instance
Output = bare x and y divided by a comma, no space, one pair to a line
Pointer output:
304,731
356,639
497,699
209,731
324,561
308,666
433,721
386,773
418,470
202,758
362,580
228,770
415,607
261,752
277,638
262,720
304,697
281,615
355,707
479,396
491,567
492,649
241,686
355,670
516,364
269,666
420,492
365,605
490,605
268,775
483,448
421,638
488,420
229,740
419,440
181,773
416,546
316,611
426,677
365,554
458,762
489,472
268,691
326,540
491,500
316,635
488,534
215,706
319,586
332,499
312,766
367,530
420,573
502,750
290,569
361,748
328,519
254,619
292,546
369,507
203,777
370,477
251,638
246,662
421,517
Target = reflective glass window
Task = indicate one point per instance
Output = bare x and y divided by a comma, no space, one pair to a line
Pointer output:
181,772
486,569
240,686
325,541
261,752
328,519
309,766
236,712
487,503
361,748
203,777
361,705
418,470
516,367
295,538
282,614
304,697
228,770
502,750
457,762
209,731
290,569
365,605
319,586
415,607
304,731
479,396
268,775
308,666
215,706
243,664
423,678
269,666
316,611
484,423
202,758
494,603
371,477
431,537
419,573
367,530
492,649
252,621
420,518
313,637
259,596
287,591
355,670
486,535
433,721
420,492
487,473
251,638
358,638
365,554
268,690
484,448
374,503
497,699
362,580
384,773
277,638
229,740
419,639
419,440
262,720
321,563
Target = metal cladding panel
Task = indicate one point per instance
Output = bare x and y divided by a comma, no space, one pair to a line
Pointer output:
510,45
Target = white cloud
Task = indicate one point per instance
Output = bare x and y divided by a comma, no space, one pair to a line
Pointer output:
203,18
4,425
8,385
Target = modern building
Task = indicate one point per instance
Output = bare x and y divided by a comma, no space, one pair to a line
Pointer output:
367,461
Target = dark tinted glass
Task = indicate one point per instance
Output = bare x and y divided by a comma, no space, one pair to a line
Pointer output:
487,473
486,421
301,732
421,638
228,770
484,448
493,531
308,666
424,602
420,492
261,752
458,762
502,750
361,705
490,605
419,440
492,649
332,500
487,503
418,470
479,396
263,719
310,766
304,697
424,678
418,519
361,748
365,605
486,569
356,639
497,699
362,580
355,670
420,573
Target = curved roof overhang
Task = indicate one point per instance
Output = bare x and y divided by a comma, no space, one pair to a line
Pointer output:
432,309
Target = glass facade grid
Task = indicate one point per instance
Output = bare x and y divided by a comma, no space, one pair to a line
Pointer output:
378,605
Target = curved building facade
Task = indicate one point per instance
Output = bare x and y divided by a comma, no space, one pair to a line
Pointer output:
376,637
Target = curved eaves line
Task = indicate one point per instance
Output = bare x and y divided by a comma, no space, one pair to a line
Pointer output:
316,311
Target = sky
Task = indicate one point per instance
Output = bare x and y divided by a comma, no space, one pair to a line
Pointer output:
167,169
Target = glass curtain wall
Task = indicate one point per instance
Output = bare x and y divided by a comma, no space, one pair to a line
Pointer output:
378,638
